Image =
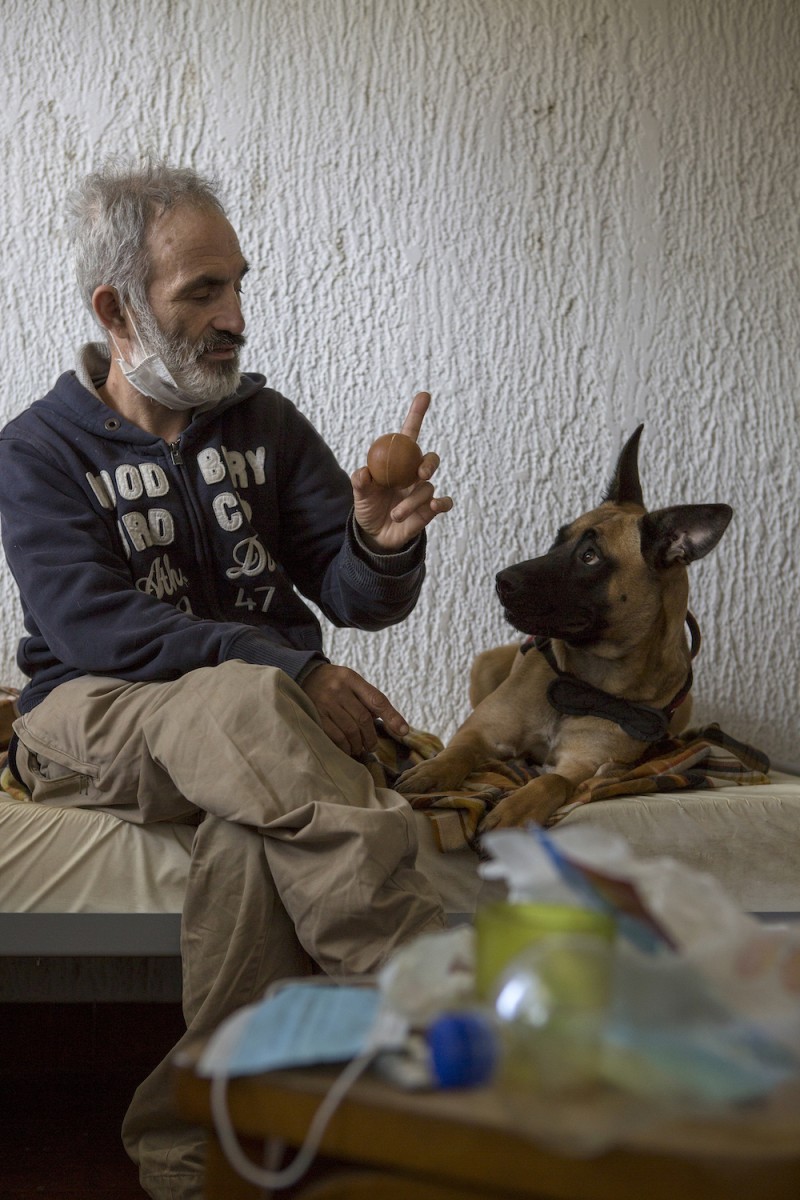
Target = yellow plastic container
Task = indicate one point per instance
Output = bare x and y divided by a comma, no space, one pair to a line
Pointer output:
503,929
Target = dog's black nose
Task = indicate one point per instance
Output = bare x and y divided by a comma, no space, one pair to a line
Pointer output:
502,585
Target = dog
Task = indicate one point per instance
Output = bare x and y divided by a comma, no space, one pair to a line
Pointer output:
605,670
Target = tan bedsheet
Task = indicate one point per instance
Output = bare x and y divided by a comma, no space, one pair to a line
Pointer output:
747,837
79,860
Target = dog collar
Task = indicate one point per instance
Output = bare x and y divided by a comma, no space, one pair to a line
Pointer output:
574,698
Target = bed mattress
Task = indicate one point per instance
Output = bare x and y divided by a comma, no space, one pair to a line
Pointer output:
87,861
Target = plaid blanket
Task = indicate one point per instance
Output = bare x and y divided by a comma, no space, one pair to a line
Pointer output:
8,784
699,759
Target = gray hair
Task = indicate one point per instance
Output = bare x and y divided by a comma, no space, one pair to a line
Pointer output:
112,211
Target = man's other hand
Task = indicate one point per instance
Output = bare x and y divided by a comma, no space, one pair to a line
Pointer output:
348,707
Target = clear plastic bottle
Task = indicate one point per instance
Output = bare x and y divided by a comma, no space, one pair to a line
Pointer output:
550,1005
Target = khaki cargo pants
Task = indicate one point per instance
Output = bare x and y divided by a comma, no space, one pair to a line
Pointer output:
299,859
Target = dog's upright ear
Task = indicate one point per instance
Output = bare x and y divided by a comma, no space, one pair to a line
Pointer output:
625,487
682,533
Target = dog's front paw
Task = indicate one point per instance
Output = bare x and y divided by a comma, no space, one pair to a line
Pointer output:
534,802
510,815
433,775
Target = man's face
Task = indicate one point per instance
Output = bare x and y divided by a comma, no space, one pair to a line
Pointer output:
194,320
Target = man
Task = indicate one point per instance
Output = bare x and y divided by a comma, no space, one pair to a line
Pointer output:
162,515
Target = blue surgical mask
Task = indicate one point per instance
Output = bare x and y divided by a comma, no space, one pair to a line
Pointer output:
303,1024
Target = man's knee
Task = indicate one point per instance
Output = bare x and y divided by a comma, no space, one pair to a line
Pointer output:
250,687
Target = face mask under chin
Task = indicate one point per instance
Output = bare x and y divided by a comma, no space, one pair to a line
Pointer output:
198,388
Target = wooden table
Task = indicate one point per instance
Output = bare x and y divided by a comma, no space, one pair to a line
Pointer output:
386,1144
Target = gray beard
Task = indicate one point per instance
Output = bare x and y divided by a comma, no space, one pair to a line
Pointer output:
208,382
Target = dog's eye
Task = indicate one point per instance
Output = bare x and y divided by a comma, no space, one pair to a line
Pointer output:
589,556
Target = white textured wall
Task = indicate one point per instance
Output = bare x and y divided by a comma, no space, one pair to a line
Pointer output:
559,216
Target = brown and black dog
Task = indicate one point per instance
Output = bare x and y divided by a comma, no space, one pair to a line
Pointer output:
607,668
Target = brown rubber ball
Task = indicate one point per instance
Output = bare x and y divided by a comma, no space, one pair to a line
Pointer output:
393,460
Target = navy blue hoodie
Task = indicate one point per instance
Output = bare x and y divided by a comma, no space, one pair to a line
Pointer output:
143,560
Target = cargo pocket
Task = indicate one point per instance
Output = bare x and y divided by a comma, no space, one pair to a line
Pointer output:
51,782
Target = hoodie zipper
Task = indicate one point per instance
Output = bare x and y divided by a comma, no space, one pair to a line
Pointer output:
196,522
